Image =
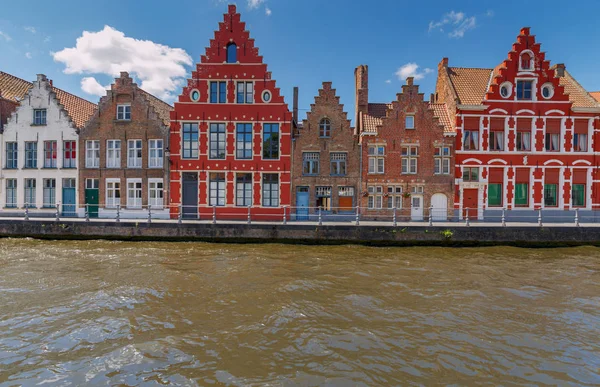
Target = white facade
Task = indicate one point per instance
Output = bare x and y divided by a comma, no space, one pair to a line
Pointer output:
39,123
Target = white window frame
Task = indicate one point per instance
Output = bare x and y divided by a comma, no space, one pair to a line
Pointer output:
394,196
92,154
112,201
376,159
409,122
124,112
134,153
410,160
375,199
442,160
134,186
156,153
113,154
49,193
156,202
242,87
11,193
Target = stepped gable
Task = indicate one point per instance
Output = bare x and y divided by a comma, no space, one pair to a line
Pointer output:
326,95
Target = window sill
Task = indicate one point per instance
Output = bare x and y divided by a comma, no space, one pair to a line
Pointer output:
336,175
88,167
39,124
129,167
49,168
30,168
121,121
10,208
10,168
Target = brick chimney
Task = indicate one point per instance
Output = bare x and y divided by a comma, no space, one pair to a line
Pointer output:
295,105
361,82
560,70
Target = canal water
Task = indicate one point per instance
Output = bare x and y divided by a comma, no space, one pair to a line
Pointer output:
109,313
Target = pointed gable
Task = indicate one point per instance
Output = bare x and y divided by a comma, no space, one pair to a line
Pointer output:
327,105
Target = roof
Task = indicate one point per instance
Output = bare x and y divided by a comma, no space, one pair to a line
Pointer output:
440,110
470,84
372,118
577,94
80,110
161,108
595,95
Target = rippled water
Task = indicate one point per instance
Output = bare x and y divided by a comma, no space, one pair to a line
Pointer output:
106,313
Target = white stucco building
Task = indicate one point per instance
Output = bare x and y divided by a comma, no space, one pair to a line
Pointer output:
39,152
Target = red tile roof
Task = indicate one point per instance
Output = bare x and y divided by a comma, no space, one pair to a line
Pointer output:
470,84
440,110
161,108
595,95
577,94
372,119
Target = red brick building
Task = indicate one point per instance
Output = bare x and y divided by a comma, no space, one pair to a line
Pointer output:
231,133
527,135
407,154
326,167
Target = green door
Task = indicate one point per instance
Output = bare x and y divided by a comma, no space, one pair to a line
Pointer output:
91,199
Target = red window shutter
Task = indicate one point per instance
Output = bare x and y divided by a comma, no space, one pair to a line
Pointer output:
471,123
579,176
522,175
581,126
524,124
497,124
553,125
551,176
496,175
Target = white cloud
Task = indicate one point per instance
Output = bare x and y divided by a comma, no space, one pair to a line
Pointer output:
5,36
252,4
457,24
91,86
388,81
161,69
28,55
411,70
268,11
30,29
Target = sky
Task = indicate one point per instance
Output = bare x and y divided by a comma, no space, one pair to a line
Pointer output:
82,45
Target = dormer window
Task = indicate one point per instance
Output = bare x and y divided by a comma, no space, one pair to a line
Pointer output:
124,112
524,90
526,61
231,53
39,116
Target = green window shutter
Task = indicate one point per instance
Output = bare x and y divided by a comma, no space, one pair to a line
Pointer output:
494,195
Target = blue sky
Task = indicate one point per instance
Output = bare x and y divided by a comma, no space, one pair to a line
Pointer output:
304,42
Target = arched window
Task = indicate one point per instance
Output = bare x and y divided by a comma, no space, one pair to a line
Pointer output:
231,53
325,128
526,61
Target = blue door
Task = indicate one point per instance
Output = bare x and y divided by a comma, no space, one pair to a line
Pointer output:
68,204
302,203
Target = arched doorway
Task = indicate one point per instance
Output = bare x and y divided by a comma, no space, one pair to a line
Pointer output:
439,202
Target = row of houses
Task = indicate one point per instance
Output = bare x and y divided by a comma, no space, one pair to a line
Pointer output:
523,135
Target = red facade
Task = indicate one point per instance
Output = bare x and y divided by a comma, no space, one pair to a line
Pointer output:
230,134
527,134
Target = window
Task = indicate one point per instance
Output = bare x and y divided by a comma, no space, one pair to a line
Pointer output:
524,89
376,159
190,141
394,196
123,112
552,144
271,141
92,154
523,141
113,154
580,142
50,153
134,193
375,199
323,196
156,193
11,155
325,128
31,154
441,158
217,142
338,163
550,195
471,174
496,140
471,140
195,95
49,192
245,93
266,96
113,193
270,190
11,193
231,53
310,163
409,122
243,189
39,116
521,194
218,92
506,89
547,90
134,153
30,193
243,141
409,159
70,154
578,195
526,61
92,183
155,154
216,189
494,194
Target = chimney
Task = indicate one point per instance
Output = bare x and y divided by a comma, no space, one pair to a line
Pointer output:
51,84
560,70
361,79
295,105
432,98
41,77
443,64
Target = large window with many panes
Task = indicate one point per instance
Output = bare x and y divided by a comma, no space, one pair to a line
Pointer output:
217,142
69,154
410,157
243,189
270,190
216,194
189,143
270,141
31,154
12,155
243,141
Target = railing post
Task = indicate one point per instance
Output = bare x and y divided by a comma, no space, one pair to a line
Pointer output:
26,211
430,216
87,212
577,217
357,215
118,218
503,220
467,223
214,220
149,213
284,215
395,223
540,217
58,212
180,214
249,216
320,217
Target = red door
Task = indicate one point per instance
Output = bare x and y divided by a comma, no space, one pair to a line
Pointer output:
470,202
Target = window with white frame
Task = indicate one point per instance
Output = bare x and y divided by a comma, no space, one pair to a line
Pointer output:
323,196
189,143
552,142
270,190
30,193
394,196
217,142
92,183
134,153
155,153
243,141
11,193
243,189
496,140
409,121
376,159
471,140
216,194
325,128
338,163
580,142
270,141
69,154
218,92
39,116
12,155
49,193
410,157
113,193
124,112
92,154
31,154
441,158
375,199
113,153
245,92
523,141
50,154
524,90
310,163
156,193
134,193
